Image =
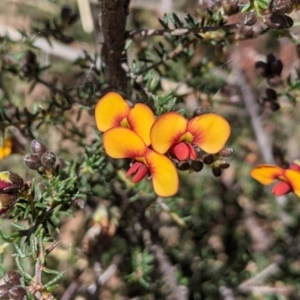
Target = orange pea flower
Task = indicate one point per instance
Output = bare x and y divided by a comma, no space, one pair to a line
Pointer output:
289,179
172,133
6,148
113,111
122,142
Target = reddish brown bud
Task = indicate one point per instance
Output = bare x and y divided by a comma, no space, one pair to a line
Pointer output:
32,161
197,165
271,94
281,7
216,171
12,278
226,152
7,201
223,164
261,68
275,106
79,203
17,292
10,182
182,165
4,292
65,13
275,21
274,80
250,18
208,159
48,159
38,147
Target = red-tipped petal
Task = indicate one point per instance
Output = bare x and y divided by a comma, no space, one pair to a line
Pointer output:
4,180
110,111
293,178
210,131
266,174
164,174
138,170
122,142
141,119
167,131
281,188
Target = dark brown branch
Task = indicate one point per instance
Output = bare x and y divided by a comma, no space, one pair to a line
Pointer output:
113,21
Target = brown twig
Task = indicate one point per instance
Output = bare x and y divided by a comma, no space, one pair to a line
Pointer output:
164,267
176,31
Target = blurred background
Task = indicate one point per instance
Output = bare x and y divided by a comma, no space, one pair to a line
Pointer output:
223,237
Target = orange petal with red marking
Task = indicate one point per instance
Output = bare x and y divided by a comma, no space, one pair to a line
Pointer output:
293,178
266,174
210,131
141,119
167,131
122,142
110,111
164,174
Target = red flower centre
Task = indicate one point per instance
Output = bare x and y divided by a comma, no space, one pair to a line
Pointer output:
138,171
183,151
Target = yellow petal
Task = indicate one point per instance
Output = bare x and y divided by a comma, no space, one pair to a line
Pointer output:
164,174
266,174
141,119
293,178
6,148
122,142
110,111
210,131
167,131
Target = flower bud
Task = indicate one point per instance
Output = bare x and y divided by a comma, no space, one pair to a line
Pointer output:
12,278
48,159
226,152
32,161
74,18
197,165
182,165
223,164
208,159
65,13
281,7
216,171
250,18
79,203
261,68
4,292
7,201
17,292
273,80
38,147
271,94
275,21
275,65
274,106
10,182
